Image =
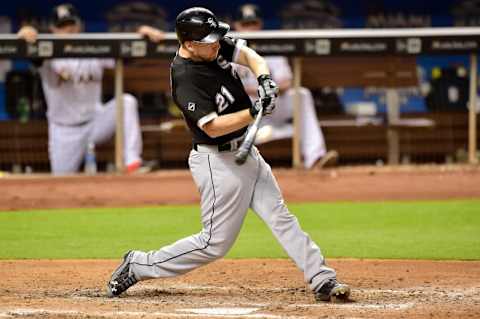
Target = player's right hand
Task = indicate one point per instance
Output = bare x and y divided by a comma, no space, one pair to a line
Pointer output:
268,105
28,33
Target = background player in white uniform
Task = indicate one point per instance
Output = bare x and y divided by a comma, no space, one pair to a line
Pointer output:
217,111
278,126
73,91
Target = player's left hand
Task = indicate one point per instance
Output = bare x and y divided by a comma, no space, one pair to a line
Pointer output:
153,34
266,106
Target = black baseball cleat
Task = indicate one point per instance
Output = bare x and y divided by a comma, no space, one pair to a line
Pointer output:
121,278
333,291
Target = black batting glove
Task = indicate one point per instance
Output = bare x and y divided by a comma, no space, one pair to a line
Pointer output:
267,93
267,88
267,106
255,108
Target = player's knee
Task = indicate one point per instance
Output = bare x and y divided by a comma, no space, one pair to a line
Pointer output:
211,246
304,92
282,221
218,249
218,252
130,101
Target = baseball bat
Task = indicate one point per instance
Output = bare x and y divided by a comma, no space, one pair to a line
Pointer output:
246,146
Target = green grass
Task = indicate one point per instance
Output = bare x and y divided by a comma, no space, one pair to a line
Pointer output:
417,230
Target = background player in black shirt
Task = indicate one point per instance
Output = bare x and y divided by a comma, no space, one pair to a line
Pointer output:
217,110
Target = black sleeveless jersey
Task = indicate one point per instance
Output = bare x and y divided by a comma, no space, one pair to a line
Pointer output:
205,90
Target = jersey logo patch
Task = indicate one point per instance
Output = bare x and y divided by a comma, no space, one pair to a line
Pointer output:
191,106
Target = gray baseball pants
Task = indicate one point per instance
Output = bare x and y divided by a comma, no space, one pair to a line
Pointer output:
227,191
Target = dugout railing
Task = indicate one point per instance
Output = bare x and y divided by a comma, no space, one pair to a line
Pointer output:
385,44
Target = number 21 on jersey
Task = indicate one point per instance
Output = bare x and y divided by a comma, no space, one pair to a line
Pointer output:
223,99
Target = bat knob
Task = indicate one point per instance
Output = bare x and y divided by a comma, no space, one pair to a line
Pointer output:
241,156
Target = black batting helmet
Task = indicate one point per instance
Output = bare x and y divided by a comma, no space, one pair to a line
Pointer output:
199,24
64,14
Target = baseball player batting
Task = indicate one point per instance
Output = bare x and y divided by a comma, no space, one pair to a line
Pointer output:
217,110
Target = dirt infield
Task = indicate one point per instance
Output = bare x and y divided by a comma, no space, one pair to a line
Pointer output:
242,288
250,288
177,187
